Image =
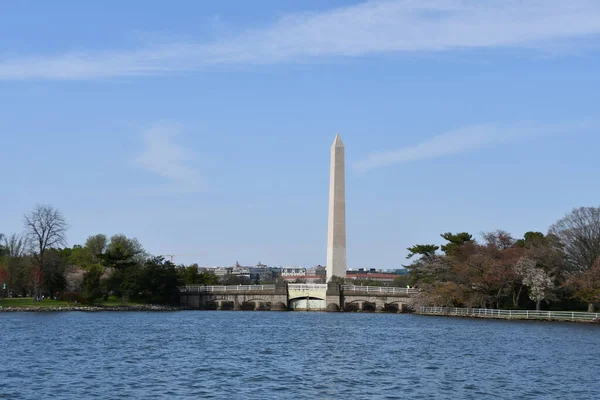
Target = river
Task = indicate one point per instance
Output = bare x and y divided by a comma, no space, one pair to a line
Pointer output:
293,355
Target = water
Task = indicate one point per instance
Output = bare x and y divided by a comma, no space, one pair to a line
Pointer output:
270,355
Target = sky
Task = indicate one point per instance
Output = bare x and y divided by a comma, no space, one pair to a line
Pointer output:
204,128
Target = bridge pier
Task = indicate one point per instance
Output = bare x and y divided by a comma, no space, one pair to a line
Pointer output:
379,307
237,306
278,306
280,297
333,297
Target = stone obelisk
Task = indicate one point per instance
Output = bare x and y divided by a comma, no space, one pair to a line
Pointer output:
336,230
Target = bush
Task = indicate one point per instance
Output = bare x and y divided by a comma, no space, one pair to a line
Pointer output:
71,297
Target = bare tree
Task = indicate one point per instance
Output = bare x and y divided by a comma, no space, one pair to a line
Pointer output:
45,228
579,235
14,245
498,239
14,249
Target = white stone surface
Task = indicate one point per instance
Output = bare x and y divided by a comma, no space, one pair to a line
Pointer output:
336,231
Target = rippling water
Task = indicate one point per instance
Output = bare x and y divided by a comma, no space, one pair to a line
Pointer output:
271,355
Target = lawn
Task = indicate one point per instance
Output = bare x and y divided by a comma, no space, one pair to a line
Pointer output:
30,302
27,302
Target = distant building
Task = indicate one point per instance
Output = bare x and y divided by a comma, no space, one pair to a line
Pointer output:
315,274
260,272
317,271
220,271
292,272
263,273
241,272
385,277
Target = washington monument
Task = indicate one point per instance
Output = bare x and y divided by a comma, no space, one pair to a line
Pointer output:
336,230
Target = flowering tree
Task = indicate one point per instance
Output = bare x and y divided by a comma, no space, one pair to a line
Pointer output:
536,279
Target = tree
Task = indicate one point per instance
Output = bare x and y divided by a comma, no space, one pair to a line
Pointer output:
90,285
498,239
401,281
124,256
539,282
97,245
55,270
531,239
13,245
14,254
160,281
424,250
587,285
455,241
3,280
2,249
191,275
46,229
36,279
579,235
122,252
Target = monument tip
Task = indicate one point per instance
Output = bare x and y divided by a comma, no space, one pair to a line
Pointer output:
337,142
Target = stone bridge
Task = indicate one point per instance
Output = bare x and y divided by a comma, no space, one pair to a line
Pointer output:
283,296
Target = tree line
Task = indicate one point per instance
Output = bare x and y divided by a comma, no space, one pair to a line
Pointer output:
38,263
559,269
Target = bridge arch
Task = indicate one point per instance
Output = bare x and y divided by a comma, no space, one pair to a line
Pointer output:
220,304
307,303
398,306
367,305
255,304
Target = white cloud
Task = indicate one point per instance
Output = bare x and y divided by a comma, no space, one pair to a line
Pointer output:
163,157
451,142
369,28
468,139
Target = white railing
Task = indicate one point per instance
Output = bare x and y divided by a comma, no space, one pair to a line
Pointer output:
379,289
232,288
511,314
307,286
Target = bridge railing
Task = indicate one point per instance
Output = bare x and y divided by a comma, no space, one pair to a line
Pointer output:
231,288
307,286
379,289
516,314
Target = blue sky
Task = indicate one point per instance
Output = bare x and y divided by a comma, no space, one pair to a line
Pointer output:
204,127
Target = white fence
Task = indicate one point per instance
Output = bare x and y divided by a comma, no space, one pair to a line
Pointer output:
379,289
511,314
232,288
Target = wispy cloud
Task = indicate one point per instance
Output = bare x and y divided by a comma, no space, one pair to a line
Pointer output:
162,156
373,27
468,139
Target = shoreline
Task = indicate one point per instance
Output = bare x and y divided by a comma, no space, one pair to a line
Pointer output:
144,307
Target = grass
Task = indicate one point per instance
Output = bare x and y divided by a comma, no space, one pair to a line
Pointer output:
29,302
114,301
